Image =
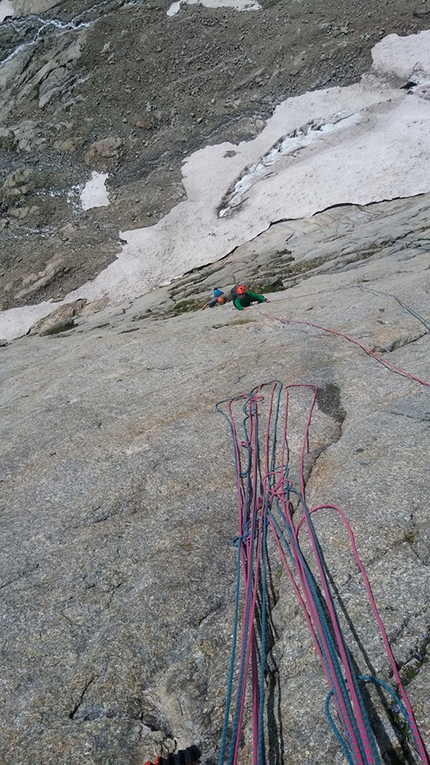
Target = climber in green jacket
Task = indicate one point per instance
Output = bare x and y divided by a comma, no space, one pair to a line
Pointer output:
243,297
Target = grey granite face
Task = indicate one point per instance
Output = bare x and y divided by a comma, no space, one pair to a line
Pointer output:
118,501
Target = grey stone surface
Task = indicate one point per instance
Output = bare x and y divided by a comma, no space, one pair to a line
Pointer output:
118,497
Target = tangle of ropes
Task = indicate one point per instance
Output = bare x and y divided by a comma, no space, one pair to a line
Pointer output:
271,500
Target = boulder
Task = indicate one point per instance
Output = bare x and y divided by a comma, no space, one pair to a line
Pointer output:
52,85
8,140
36,281
70,145
59,320
100,151
17,184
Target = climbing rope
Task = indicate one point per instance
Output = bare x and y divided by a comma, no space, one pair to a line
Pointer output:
269,501
407,308
380,359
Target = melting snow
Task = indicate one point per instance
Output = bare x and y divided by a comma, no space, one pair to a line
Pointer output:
6,9
94,193
377,147
239,5
290,144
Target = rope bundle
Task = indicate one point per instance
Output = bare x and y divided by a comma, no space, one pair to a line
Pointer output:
270,501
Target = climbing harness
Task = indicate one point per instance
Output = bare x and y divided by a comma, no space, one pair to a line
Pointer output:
271,498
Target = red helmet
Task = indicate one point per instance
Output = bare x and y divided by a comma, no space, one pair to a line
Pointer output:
221,299
241,289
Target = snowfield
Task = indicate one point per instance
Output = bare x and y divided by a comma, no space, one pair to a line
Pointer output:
360,144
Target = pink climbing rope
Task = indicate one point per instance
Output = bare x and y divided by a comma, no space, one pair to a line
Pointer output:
261,485
379,621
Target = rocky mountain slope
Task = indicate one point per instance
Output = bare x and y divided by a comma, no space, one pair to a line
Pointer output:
123,88
118,500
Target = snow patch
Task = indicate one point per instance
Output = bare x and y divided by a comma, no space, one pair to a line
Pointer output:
238,5
423,90
289,145
94,193
17,321
407,58
6,9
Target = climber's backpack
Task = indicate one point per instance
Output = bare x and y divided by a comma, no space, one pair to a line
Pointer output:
188,756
